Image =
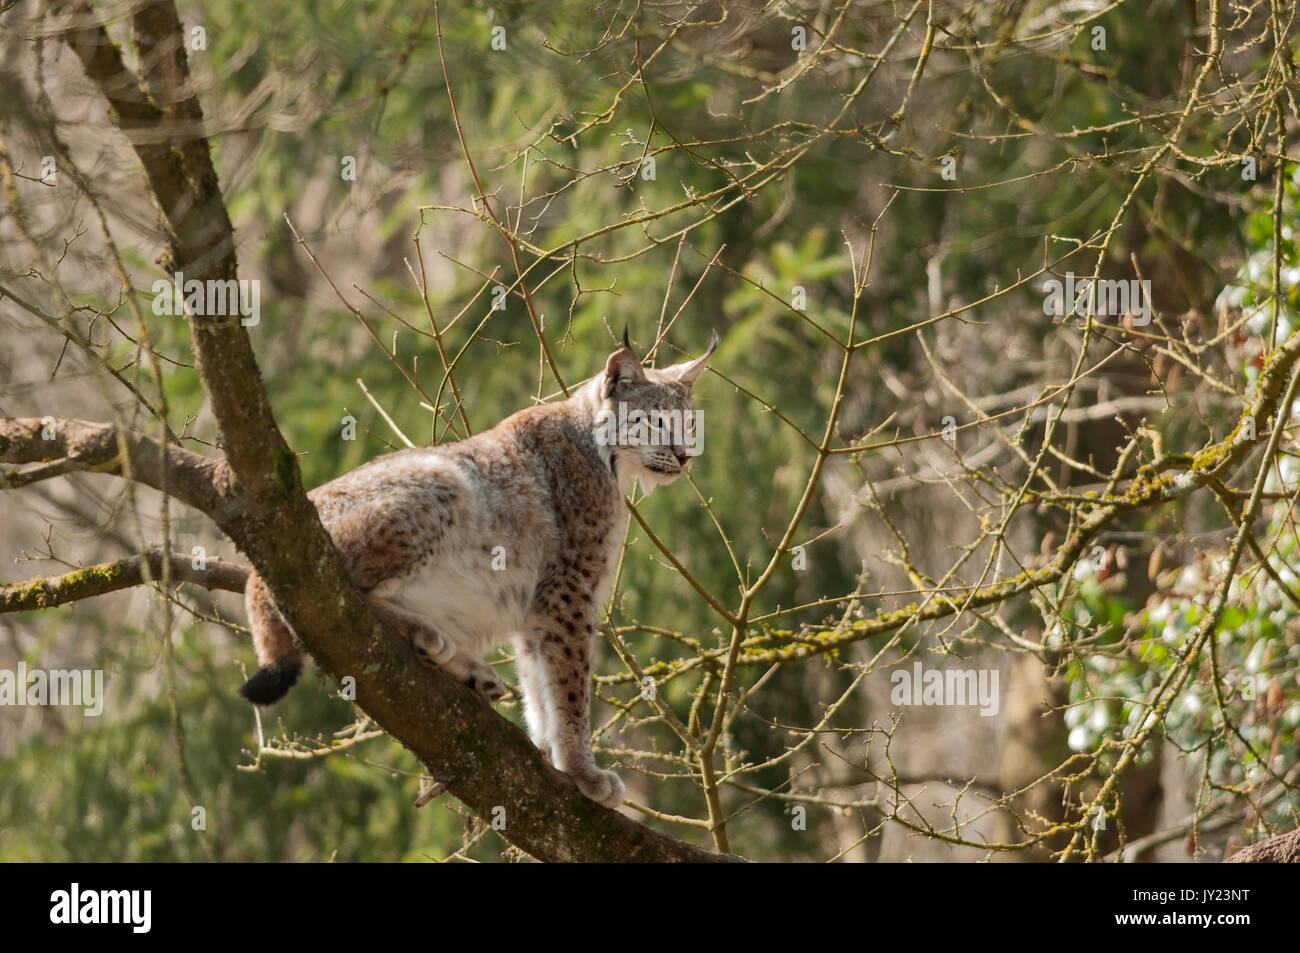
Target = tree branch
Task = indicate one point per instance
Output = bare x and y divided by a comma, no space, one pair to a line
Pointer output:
1282,849
64,445
45,592
480,757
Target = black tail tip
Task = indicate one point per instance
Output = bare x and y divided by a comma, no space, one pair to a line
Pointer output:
269,685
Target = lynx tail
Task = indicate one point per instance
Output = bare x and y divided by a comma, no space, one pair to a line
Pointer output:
279,656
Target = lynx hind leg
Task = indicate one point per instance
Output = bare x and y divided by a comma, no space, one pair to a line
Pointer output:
564,652
436,649
430,644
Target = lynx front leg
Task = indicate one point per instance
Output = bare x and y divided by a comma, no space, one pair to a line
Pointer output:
532,681
563,648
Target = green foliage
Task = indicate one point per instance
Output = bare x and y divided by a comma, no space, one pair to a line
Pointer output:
1239,718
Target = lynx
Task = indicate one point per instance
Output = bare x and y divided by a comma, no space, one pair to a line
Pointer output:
510,534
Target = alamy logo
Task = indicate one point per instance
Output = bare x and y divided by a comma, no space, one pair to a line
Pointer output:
950,687
59,687
134,907
656,428
241,297
1104,297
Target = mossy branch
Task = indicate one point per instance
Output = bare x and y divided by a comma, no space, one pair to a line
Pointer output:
46,592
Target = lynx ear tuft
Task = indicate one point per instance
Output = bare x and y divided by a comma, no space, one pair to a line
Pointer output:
690,370
622,367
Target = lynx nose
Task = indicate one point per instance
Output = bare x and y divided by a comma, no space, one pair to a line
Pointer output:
682,456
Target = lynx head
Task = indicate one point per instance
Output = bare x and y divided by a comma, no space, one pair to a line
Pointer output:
646,417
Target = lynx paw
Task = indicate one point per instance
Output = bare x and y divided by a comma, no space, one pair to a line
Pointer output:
478,675
603,787
488,685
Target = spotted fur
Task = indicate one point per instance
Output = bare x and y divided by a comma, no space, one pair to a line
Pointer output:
512,534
